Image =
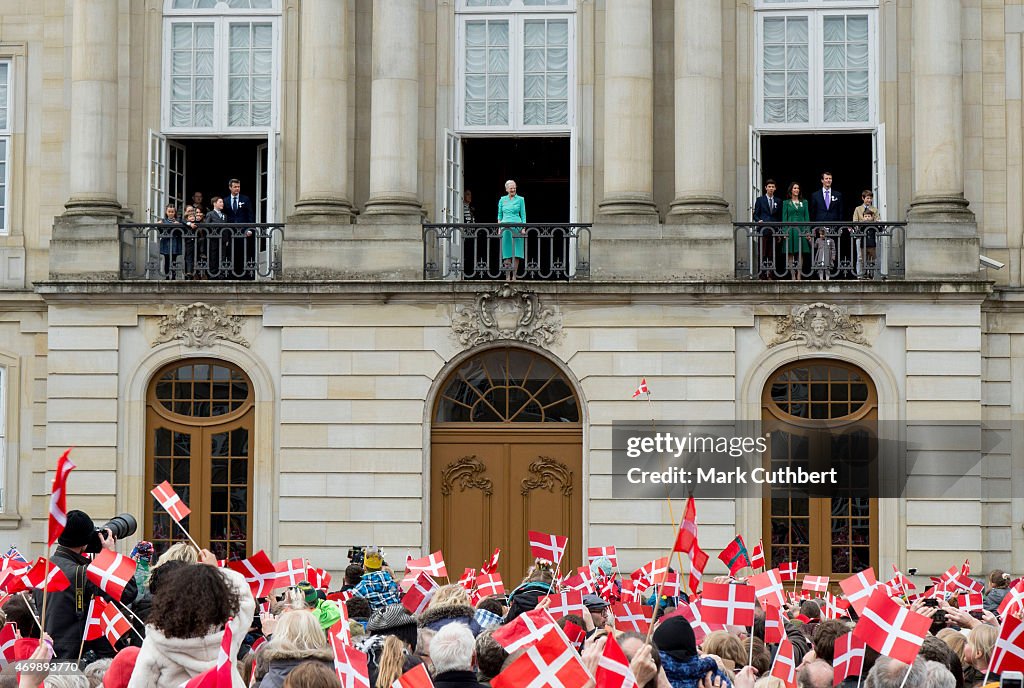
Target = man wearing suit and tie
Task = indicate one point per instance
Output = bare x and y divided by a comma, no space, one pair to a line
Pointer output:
768,208
238,208
827,208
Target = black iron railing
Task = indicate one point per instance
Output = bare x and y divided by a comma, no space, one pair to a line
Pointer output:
474,251
816,251
161,251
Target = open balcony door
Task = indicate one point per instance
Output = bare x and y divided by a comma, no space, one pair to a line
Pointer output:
878,181
451,203
266,206
166,185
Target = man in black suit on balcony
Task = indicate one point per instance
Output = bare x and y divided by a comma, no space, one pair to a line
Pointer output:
827,208
238,208
768,208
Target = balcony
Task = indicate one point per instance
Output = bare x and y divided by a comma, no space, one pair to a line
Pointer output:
551,252
158,251
812,251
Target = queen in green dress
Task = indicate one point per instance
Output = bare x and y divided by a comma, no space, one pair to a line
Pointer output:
512,209
795,209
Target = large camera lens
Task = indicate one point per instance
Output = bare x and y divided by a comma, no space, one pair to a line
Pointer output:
121,526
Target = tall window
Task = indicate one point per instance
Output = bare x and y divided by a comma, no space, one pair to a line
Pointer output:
5,142
515,65
3,439
816,68
220,65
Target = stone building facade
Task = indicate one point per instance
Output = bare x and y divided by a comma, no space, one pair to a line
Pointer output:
354,122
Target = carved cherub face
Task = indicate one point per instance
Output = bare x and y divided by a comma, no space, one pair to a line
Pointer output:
818,325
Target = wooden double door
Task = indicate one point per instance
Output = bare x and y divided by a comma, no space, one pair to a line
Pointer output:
491,485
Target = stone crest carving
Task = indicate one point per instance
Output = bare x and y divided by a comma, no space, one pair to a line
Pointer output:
545,472
506,313
818,326
467,472
199,325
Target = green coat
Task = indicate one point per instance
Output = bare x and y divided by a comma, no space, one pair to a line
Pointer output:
796,212
512,210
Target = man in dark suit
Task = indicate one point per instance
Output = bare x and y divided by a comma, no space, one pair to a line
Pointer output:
238,208
827,207
768,208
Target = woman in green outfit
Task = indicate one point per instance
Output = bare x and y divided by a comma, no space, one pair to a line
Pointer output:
512,208
795,209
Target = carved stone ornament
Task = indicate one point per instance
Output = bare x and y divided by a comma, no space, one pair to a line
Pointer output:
467,472
545,471
818,326
200,326
506,313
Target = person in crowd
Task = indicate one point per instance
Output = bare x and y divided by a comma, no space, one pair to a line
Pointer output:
998,587
825,635
186,624
934,650
359,609
450,604
120,671
468,211
218,240
312,675
815,674
768,208
795,209
142,555
95,672
938,675
977,653
67,610
377,585
238,208
538,582
325,611
869,267
598,610
677,647
826,207
390,644
197,200
17,612
190,240
867,198
761,657
453,655
298,637
512,210
170,239
890,673
727,646
824,248
353,574
490,656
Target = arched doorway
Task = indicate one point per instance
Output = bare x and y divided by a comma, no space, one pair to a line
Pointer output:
506,458
822,414
199,428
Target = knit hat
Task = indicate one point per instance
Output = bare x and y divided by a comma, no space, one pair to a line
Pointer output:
395,620
78,530
120,670
602,565
309,592
675,638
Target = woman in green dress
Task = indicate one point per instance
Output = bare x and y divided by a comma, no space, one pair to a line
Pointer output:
512,208
795,209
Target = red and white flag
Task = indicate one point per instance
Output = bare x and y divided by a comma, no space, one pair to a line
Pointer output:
890,628
492,565
564,604
1014,600
94,619
631,616
899,584
613,668
768,587
58,498
490,584
729,604
259,572
340,629
114,624
595,553
468,579
8,636
1008,654
670,585
525,630
774,624
789,570
45,575
318,578
583,581
432,565
693,614
290,572
757,556
784,666
970,602
170,501
651,572
259,642
633,591
350,664
546,546
111,572
815,583
341,597
686,538
698,562
417,677
642,389
552,661
849,658
962,583
858,588
418,596
835,607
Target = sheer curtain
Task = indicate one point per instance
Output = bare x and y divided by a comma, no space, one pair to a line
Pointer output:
487,72
785,56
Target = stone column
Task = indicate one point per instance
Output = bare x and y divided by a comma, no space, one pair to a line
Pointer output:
323,110
699,114
942,235
394,106
629,113
92,167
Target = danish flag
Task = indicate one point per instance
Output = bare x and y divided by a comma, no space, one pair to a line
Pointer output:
468,579
318,578
633,590
432,565
489,584
170,501
94,619
670,586
290,572
419,594
8,636
583,580
44,575
492,565
595,553
632,617
651,572
642,389
971,602
259,572
341,596
815,583
835,606
115,625
1015,597
698,561
417,677
613,668
686,538
525,630
964,583
899,583
564,603
111,572
547,547
692,613
340,629
551,662
789,570
768,587
757,556
891,629
784,667
1008,654
849,658
729,604
774,624
858,588
58,498
350,664
259,642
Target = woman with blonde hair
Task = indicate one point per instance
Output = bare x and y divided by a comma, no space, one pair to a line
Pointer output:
297,638
179,551
450,604
727,646
978,654
449,594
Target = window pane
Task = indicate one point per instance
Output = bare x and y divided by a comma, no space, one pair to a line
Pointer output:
192,64
486,68
4,76
545,72
785,65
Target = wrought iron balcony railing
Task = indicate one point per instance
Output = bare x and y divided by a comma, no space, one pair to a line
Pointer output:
474,251
163,251
816,251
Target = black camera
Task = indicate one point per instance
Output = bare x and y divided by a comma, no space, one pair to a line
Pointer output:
355,555
120,527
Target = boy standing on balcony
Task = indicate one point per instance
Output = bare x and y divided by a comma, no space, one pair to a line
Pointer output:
768,208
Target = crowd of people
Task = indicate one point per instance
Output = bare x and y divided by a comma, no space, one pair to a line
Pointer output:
186,602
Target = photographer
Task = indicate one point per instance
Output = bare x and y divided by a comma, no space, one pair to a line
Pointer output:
66,611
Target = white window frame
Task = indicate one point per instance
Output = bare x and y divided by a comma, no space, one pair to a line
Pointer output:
221,18
8,140
516,6
815,15
516,32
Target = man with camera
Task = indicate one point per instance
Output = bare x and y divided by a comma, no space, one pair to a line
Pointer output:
67,611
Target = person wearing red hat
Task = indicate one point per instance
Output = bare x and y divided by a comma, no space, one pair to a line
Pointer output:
120,671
